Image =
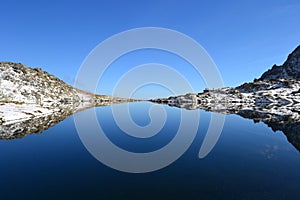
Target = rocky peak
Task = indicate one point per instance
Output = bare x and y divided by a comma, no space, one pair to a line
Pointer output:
289,70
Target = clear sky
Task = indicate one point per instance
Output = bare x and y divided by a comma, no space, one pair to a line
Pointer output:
244,38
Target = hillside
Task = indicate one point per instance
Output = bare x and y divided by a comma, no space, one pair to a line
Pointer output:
278,86
21,84
29,93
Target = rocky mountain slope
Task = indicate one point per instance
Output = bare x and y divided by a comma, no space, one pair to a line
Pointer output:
26,93
289,70
21,84
279,86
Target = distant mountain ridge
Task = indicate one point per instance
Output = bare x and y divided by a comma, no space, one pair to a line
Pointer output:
289,70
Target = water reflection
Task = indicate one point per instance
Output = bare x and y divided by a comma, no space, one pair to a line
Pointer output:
278,118
37,125
284,118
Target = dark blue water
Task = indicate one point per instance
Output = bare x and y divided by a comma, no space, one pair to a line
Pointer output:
249,161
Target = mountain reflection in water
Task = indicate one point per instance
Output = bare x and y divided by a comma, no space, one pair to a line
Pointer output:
285,119
23,128
278,118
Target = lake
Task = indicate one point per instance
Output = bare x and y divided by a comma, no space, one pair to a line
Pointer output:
248,161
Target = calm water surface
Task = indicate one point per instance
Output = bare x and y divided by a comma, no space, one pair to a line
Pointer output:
249,161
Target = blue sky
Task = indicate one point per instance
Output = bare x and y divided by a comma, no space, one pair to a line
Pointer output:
244,38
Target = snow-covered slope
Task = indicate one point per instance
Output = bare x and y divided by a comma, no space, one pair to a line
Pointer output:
21,84
27,93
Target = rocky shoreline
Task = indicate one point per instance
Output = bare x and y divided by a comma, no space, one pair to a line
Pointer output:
280,95
279,86
27,119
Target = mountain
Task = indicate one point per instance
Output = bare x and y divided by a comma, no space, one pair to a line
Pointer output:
289,70
278,86
21,84
28,93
